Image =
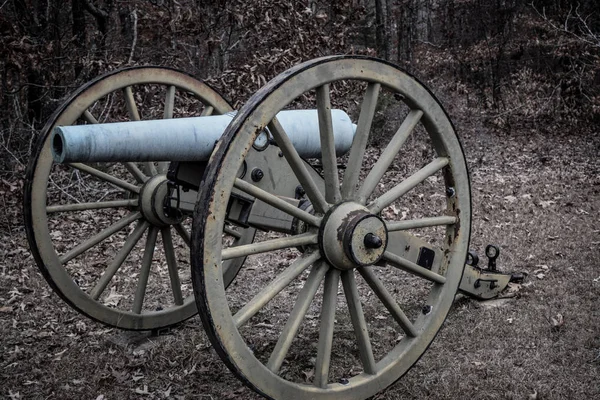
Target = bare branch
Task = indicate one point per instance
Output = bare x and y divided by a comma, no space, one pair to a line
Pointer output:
95,11
134,17
587,36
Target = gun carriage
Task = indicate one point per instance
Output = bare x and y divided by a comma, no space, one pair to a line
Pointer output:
204,186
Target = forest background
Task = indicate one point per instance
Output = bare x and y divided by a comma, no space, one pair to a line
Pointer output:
514,65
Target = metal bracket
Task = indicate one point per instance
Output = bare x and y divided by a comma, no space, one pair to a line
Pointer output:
483,283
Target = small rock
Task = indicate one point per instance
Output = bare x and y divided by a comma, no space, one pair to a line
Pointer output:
489,304
557,321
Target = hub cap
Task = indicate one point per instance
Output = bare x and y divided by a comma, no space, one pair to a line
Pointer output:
152,202
352,237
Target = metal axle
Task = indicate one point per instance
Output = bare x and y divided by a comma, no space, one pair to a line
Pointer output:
186,139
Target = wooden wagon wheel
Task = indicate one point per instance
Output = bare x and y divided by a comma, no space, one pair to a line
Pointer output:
95,230
348,236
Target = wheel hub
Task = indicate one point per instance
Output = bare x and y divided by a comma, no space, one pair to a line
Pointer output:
152,200
352,237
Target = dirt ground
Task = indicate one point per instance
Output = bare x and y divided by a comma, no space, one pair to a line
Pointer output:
535,195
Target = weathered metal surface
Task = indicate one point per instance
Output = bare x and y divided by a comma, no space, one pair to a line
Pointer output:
476,282
185,139
483,284
345,234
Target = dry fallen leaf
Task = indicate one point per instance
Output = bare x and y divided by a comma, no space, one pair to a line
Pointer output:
546,204
137,377
557,321
308,374
58,356
513,287
113,298
142,391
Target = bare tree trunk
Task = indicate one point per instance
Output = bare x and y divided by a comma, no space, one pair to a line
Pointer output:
381,29
406,23
102,17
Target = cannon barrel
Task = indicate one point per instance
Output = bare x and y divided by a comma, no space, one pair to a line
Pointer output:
185,139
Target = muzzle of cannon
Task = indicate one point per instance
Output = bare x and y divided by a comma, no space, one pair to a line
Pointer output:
187,139
321,266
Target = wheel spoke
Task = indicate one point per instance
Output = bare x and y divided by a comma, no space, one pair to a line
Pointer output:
358,322
305,297
359,144
91,206
106,177
276,202
298,166
330,170
406,185
411,267
132,109
140,292
388,301
150,168
269,245
183,233
169,102
208,110
386,159
232,232
172,264
420,223
167,114
273,288
330,291
99,237
112,269
137,173
89,117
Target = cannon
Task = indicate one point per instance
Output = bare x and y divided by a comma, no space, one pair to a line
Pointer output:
347,258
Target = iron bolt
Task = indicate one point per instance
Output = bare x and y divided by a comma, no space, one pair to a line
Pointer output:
450,192
344,381
426,309
372,241
280,154
257,174
300,191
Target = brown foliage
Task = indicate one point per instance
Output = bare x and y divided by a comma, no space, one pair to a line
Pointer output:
520,65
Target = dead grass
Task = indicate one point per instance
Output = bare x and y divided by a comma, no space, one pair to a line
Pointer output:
536,196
